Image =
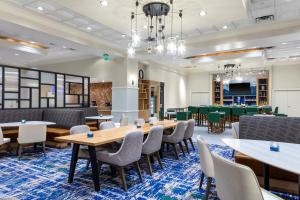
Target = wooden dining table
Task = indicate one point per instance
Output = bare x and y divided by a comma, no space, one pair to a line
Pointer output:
100,138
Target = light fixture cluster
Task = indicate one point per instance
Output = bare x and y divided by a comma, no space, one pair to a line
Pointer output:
230,72
104,3
156,14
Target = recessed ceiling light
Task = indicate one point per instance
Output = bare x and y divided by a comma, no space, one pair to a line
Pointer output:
89,28
123,35
16,54
32,42
64,47
283,43
202,13
104,3
225,27
40,8
145,26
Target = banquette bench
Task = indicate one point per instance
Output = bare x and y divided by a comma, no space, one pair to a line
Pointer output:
64,118
280,129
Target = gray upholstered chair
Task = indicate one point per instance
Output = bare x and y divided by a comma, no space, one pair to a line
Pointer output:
152,144
107,125
175,138
83,151
31,134
235,133
235,181
207,165
130,152
189,134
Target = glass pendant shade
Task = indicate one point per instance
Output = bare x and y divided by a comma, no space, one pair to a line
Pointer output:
171,46
218,78
160,47
131,51
181,47
136,39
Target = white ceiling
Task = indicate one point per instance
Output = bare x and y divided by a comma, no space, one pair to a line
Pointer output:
204,34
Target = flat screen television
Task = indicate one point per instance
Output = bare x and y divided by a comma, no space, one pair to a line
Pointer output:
239,89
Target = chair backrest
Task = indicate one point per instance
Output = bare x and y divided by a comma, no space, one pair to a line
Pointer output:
179,131
235,181
214,117
189,129
106,125
124,120
131,148
140,121
213,108
276,110
252,109
153,142
238,111
79,129
1,137
235,130
29,133
206,162
153,120
203,110
226,110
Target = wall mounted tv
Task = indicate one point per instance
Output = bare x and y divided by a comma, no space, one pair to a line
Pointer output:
239,89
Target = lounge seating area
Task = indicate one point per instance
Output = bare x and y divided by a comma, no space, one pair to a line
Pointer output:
166,100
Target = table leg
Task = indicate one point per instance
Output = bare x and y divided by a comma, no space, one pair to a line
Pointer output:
73,162
94,163
266,176
98,124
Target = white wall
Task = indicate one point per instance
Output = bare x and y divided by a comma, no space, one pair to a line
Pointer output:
286,77
175,84
198,83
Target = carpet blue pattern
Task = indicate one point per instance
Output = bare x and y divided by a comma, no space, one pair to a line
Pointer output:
38,177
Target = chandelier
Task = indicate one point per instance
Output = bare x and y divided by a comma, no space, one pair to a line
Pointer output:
230,72
156,41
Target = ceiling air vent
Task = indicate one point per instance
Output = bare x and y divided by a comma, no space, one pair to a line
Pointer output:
264,19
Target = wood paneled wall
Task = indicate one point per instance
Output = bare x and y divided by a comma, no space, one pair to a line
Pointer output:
102,94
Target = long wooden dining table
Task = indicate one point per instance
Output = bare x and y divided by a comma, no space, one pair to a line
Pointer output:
100,138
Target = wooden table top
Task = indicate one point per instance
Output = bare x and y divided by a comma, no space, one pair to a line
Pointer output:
111,135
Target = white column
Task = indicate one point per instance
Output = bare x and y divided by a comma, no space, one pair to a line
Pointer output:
125,91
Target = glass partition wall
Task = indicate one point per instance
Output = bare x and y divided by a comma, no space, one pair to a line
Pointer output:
30,88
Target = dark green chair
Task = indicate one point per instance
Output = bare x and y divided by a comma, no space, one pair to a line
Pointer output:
182,116
227,111
203,111
215,123
267,109
280,115
194,112
237,112
251,110
213,108
276,110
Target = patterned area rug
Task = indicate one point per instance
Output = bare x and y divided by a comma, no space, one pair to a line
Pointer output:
39,177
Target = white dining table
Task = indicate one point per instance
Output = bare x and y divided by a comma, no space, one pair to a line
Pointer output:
17,124
288,157
100,117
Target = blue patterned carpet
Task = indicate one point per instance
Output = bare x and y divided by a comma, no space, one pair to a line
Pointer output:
39,177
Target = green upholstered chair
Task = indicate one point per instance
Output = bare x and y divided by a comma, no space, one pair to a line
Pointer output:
215,122
251,110
213,108
227,111
182,116
203,111
267,109
280,115
194,112
237,112
276,110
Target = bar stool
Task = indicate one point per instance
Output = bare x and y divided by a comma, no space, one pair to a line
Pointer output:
216,122
236,113
203,111
251,110
194,112
227,111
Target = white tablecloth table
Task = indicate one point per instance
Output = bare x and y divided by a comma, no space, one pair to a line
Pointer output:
100,117
17,124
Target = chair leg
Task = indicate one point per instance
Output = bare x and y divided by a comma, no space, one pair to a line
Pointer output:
138,169
186,145
20,148
149,164
191,141
44,148
201,180
175,150
159,160
181,147
233,152
88,162
34,146
123,179
168,147
208,186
